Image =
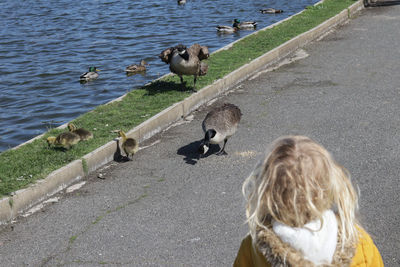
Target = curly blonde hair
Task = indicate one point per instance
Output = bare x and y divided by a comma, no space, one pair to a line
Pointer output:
294,183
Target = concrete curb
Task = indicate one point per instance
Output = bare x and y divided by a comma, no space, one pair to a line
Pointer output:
22,200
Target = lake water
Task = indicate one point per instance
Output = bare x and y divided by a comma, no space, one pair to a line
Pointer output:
46,45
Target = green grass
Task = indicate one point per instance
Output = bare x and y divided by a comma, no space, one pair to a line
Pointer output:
25,165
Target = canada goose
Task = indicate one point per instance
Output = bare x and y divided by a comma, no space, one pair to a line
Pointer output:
83,133
64,140
129,145
219,124
90,75
135,68
270,11
186,61
244,24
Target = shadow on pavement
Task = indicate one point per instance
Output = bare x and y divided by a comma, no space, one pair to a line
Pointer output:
191,154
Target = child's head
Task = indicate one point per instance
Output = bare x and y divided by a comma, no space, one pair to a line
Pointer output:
295,182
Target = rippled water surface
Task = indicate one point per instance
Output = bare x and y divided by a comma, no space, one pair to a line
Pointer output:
46,45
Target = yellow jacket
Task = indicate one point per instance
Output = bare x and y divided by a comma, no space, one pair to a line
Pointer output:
365,255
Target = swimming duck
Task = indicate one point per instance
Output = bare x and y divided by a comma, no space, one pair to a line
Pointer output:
90,75
64,140
270,11
244,24
181,2
229,29
129,145
186,61
135,68
218,125
83,133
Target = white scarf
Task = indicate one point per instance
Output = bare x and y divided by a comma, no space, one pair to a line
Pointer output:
316,245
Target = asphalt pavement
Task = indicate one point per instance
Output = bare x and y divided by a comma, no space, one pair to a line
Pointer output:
167,207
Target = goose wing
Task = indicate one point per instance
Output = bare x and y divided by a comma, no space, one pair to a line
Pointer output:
223,119
166,55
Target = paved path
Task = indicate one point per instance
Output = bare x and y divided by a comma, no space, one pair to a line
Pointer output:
167,208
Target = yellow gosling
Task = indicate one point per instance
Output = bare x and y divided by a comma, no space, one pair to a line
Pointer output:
129,145
83,133
64,140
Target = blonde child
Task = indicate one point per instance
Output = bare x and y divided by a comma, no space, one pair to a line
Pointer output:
301,210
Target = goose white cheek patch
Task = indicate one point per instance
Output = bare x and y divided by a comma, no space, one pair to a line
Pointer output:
205,149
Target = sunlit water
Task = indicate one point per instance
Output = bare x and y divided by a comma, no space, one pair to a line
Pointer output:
46,45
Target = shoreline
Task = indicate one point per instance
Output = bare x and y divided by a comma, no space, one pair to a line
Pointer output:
11,206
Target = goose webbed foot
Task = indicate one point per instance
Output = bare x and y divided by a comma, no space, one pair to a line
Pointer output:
221,153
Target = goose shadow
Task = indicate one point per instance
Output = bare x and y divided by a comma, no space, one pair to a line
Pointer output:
157,87
118,157
190,151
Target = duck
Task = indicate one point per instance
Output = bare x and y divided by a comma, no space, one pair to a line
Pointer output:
129,145
244,24
270,11
64,140
228,29
186,61
135,68
181,2
219,125
83,133
90,75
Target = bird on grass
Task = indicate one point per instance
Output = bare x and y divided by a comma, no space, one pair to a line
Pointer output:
90,75
129,145
64,140
83,133
186,61
136,68
270,11
219,125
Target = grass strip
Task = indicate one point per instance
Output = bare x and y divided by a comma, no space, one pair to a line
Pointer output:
33,161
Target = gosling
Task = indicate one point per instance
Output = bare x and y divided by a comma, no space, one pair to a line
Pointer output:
219,125
129,145
83,133
64,140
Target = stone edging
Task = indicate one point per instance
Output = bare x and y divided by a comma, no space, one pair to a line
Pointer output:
22,200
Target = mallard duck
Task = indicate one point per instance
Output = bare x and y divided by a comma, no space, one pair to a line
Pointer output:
83,133
181,2
218,125
244,24
129,145
228,29
135,68
270,11
64,140
90,75
186,61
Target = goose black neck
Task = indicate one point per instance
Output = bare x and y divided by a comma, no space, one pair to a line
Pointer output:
209,134
185,55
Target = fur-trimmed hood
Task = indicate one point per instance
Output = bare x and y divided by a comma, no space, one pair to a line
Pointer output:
279,253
